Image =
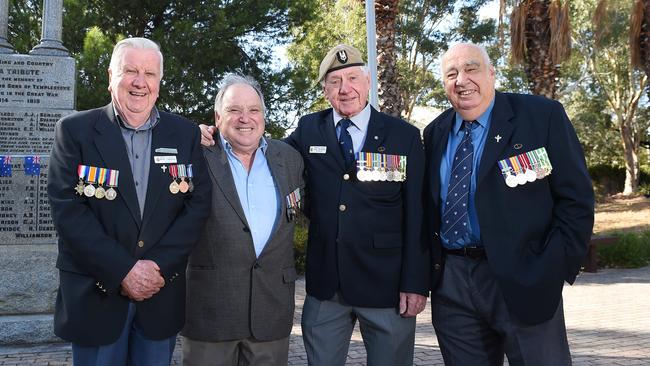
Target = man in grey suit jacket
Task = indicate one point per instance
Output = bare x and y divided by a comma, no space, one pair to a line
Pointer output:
241,276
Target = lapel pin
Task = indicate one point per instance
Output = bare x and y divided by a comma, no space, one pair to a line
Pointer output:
376,137
497,137
517,146
381,149
164,168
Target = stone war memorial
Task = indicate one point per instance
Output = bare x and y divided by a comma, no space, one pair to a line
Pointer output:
36,90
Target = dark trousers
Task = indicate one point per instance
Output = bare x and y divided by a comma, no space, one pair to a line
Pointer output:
474,327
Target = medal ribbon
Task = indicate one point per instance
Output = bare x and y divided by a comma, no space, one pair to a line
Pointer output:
113,177
102,176
190,174
82,171
92,175
181,171
173,171
514,165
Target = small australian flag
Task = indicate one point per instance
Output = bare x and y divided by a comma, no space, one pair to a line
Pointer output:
33,165
5,166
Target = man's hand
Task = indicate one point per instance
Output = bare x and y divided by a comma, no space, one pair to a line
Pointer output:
142,281
207,133
411,304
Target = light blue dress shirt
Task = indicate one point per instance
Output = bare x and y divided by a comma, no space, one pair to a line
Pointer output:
357,129
258,194
479,134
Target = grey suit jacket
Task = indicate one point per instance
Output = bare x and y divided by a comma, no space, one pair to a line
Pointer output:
231,294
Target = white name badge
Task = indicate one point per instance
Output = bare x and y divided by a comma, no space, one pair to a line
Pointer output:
167,150
318,149
165,159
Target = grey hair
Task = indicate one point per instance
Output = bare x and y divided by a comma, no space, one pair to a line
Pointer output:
135,43
480,48
232,79
364,69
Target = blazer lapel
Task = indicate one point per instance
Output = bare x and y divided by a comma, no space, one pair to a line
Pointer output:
161,136
500,125
328,132
111,147
376,132
440,139
276,167
218,166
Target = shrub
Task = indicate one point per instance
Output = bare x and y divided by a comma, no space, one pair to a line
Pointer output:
631,251
300,245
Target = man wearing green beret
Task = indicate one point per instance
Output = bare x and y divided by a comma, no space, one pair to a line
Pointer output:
365,259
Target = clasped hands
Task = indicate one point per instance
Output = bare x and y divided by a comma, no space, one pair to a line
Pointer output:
143,280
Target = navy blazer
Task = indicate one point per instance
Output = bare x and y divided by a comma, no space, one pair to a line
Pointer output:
535,235
364,237
100,240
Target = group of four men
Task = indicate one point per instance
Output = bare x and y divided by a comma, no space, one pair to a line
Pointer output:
491,214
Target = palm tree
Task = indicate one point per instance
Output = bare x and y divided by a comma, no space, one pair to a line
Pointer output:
540,40
390,98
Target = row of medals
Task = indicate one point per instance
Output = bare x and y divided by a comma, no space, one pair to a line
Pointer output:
528,176
99,192
379,174
181,186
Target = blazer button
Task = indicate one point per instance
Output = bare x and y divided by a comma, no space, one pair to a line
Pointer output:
342,208
256,265
436,267
140,243
346,176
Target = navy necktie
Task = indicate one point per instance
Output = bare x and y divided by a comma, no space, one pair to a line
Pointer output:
345,142
455,222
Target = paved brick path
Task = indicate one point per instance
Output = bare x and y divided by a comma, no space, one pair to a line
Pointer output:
607,315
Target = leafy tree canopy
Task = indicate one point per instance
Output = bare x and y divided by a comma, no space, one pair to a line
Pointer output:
201,40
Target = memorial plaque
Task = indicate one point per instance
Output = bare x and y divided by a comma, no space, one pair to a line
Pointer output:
35,92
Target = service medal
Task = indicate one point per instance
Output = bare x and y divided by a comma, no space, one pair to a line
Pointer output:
80,188
100,192
521,179
531,176
111,194
89,191
173,187
390,176
511,181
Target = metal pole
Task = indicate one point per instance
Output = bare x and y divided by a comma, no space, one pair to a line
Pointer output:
371,37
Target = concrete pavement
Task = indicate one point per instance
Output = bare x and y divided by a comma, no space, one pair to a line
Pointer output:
607,315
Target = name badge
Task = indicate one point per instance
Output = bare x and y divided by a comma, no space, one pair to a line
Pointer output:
317,149
167,150
165,159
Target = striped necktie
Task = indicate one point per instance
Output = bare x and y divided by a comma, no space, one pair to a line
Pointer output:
455,222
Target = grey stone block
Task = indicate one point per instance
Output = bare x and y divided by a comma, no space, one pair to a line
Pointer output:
29,279
27,329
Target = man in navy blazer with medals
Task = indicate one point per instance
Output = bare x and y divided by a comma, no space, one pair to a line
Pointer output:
129,195
509,210
365,258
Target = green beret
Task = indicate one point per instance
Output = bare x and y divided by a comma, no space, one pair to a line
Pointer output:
340,57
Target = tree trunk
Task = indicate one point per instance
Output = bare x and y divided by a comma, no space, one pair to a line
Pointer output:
540,70
390,98
630,148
